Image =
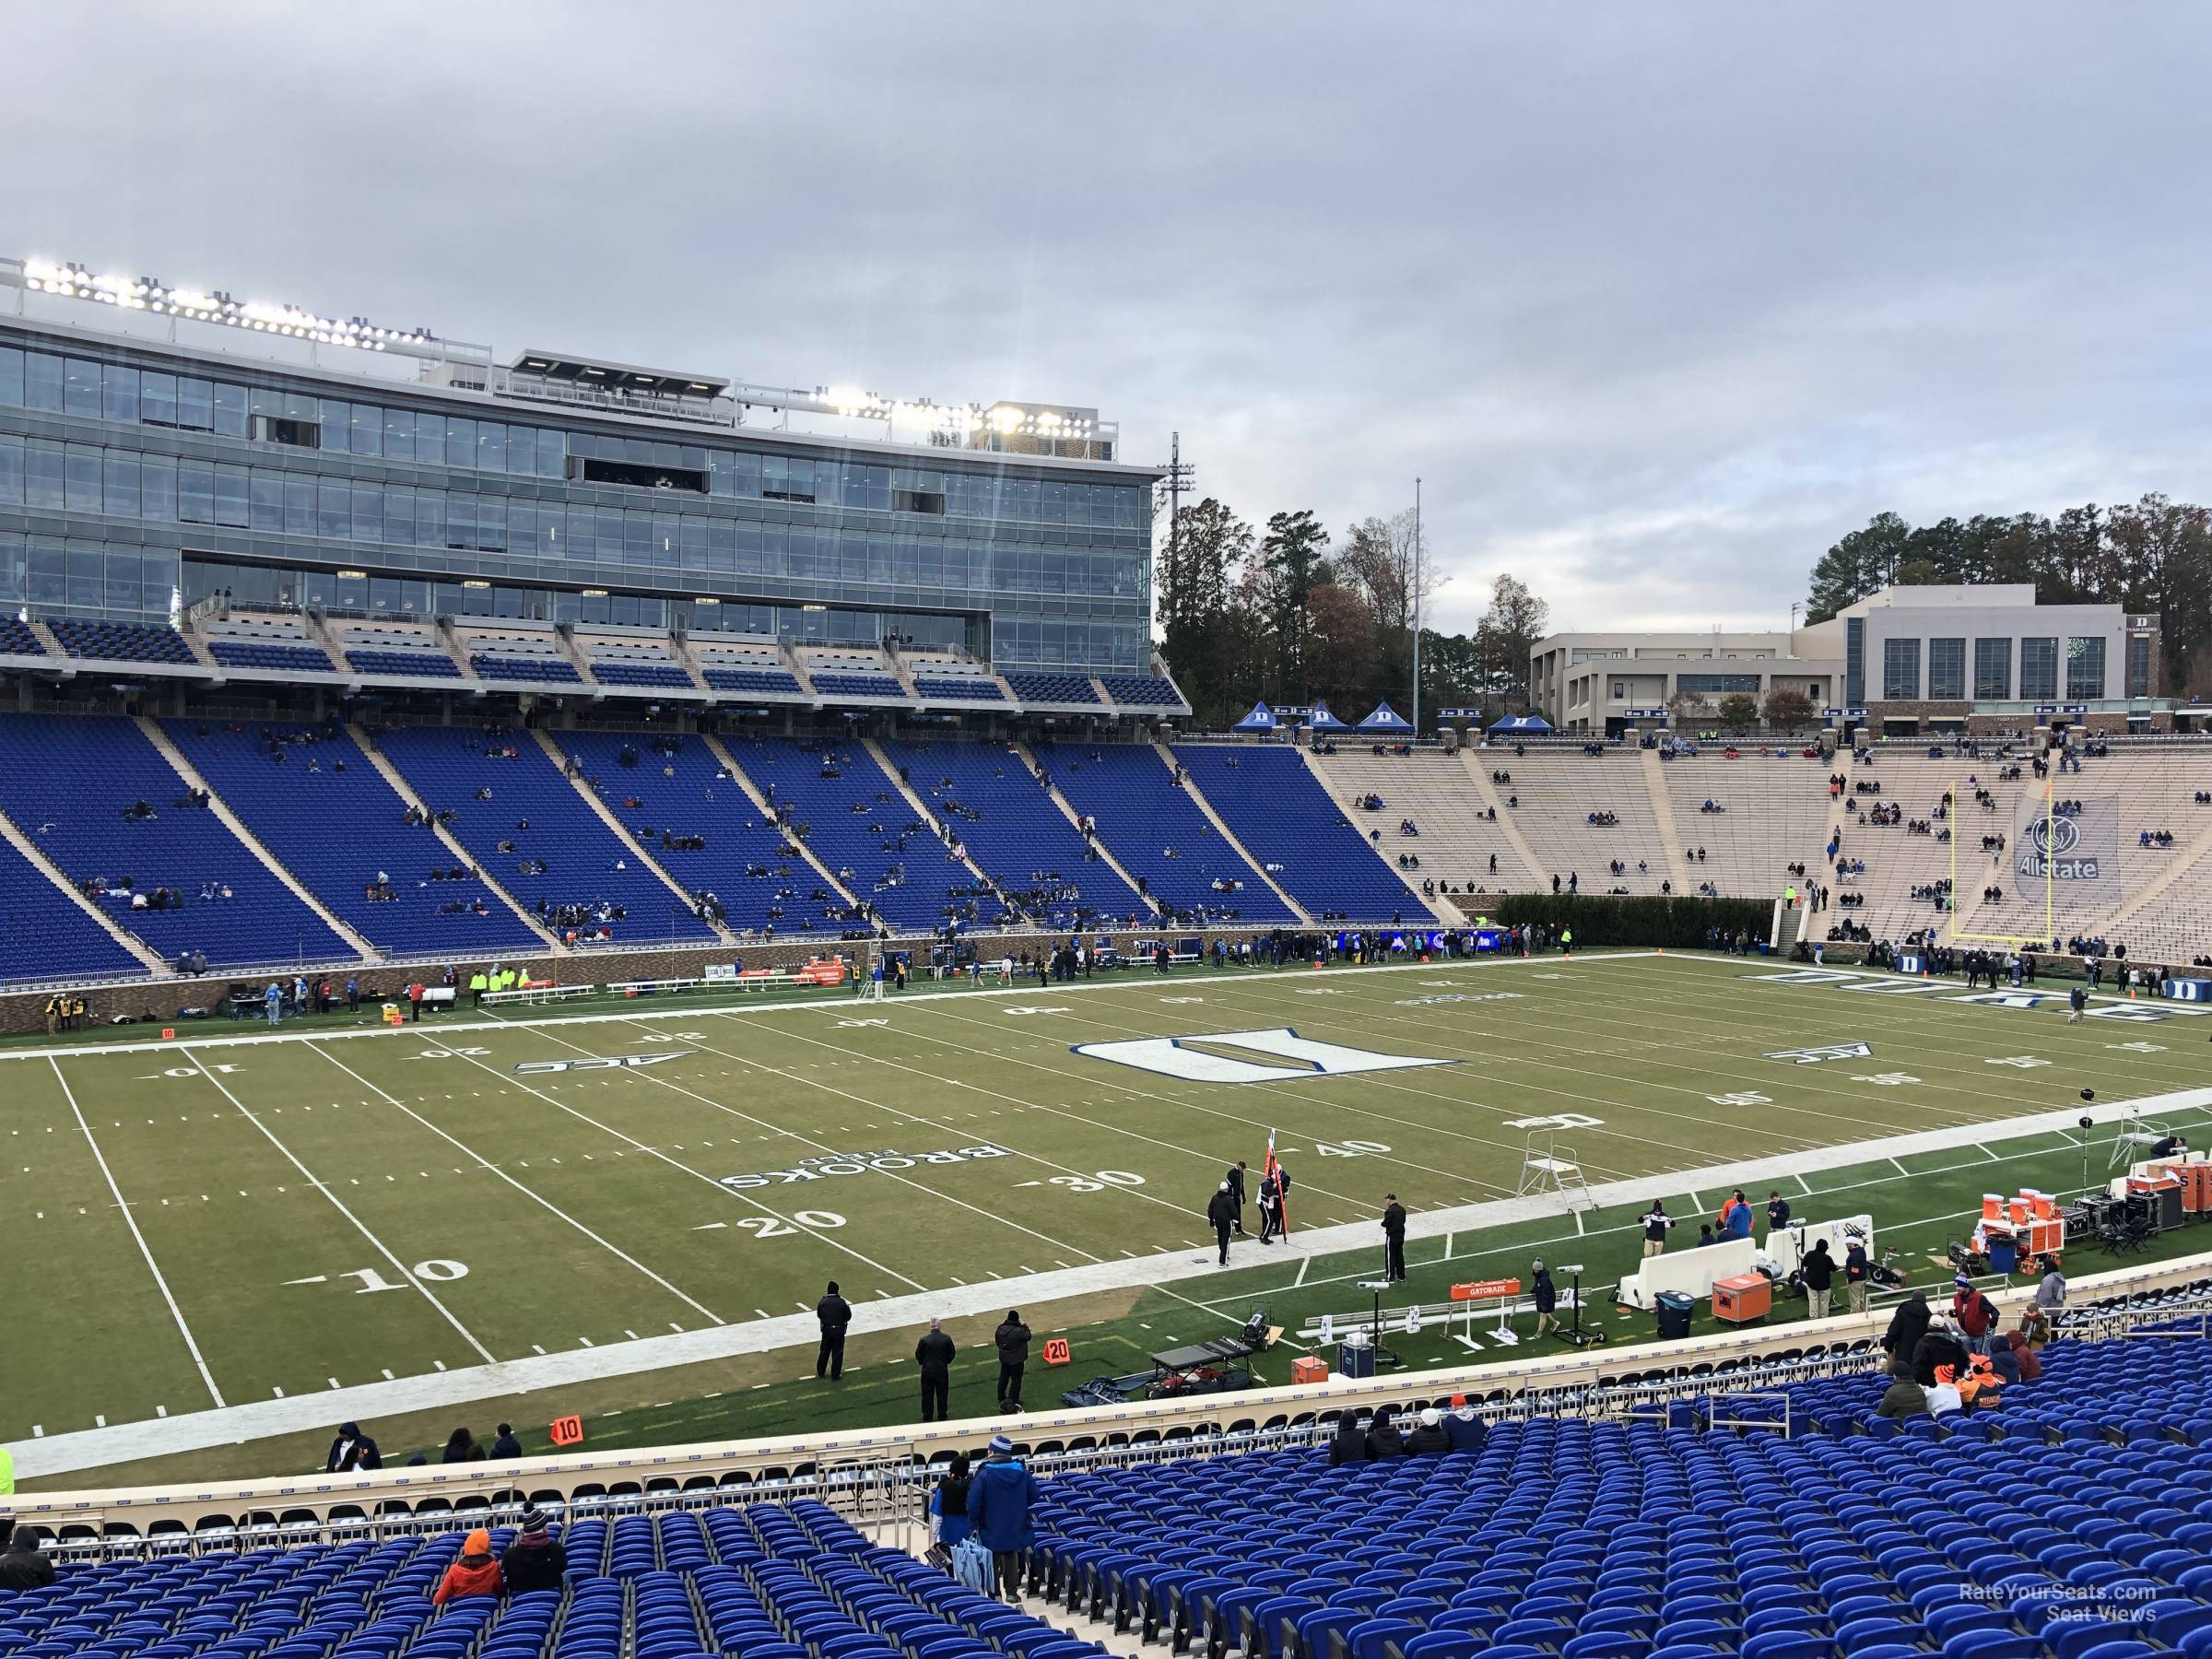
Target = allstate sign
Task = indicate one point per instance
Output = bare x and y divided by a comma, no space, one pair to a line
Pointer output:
2054,847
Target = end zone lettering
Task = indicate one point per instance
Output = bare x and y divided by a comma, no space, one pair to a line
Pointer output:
858,1163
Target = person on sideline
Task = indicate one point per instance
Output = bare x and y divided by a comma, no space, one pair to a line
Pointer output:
1012,1340
835,1315
352,1450
934,1354
1819,1271
1656,1222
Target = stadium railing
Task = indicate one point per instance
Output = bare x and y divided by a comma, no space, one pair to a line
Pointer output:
881,1477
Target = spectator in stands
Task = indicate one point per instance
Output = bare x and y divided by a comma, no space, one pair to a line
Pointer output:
352,1450
1384,1441
2026,1352
1940,1347
476,1573
948,1503
1819,1272
535,1560
1012,1340
1348,1445
1976,1315
1907,1327
999,1500
22,1565
1904,1398
1464,1428
506,1446
1429,1439
2050,1296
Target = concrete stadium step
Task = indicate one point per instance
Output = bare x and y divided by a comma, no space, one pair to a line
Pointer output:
922,808
1474,762
1167,759
250,841
1067,809
1654,778
462,855
38,861
546,742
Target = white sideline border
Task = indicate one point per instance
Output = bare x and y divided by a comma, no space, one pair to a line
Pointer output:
125,1443
840,1004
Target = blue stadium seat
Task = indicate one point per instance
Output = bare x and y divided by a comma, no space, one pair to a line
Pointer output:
960,688
286,659
1142,813
1141,692
1278,809
120,641
1034,688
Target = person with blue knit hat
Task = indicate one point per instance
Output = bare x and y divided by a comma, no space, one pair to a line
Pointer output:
999,1500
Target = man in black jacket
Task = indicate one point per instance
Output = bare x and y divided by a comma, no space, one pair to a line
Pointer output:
1429,1439
352,1450
934,1355
535,1560
1012,1339
1940,1344
22,1567
1907,1327
1349,1446
1221,1216
1235,1178
835,1313
1393,1238
1819,1272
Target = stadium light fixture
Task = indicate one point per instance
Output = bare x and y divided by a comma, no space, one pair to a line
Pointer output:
72,281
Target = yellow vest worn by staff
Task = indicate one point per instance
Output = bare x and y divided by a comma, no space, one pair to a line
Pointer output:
8,1472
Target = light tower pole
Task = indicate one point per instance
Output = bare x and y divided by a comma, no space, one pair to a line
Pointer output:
1416,607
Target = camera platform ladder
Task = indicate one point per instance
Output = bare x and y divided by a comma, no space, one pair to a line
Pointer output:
871,976
1547,1166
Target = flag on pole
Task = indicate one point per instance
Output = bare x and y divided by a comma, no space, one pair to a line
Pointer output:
1272,1174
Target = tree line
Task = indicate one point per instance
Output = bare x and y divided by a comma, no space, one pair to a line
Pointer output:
1288,615
2152,557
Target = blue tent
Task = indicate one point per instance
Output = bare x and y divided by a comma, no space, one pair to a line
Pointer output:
1320,719
1261,719
1385,719
1522,723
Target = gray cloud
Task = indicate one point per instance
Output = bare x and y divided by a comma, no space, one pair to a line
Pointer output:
1657,302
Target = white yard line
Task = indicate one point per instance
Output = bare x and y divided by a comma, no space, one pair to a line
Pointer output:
547,1205
120,1442
338,1204
130,1221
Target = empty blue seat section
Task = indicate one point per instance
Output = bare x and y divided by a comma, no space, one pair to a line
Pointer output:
1054,688
1141,692
122,641
965,687
856,685
253,653
423,664
1142,814
513,810
1278,809
551,669
681,792
326,813
44,937
67,780
1016,833
858,824
613,671
754,679
761,1582
17,640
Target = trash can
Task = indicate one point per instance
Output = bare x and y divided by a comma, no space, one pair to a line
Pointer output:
1674,1310
2003,1256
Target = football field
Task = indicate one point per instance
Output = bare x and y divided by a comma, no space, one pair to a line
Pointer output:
214,1223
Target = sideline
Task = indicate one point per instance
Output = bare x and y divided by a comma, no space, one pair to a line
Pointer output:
125,1443
839,1005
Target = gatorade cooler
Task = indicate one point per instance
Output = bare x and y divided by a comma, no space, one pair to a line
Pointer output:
1993,1207
2017,1211
2041,1207
1743,1298
2196,1191
1674,1308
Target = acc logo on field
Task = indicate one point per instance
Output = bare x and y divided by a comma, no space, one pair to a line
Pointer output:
1055,1351
1304,1057
566,1430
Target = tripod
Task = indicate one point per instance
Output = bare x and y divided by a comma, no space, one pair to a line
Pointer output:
1575,1337
1383,1355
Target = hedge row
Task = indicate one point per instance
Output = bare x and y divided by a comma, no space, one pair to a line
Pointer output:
1678,924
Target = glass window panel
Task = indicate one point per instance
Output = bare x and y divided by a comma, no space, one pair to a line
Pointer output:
491,524
430,438
637,538
11,471
118,483
195,404
231,496
266,500
118,393
521,528
334,509
124,577
2039,670
491,446
399,516
88,576
48,571
460,443
461,519
11,567
399,434
2085,669
160,590
264,401
1946,669
41,381
298,505
552,454
1993,670
11,375
157,489
665,539
81,474
195,492
745,470
80,386
365,429
722,547
42,484
430,514
157,398
229,409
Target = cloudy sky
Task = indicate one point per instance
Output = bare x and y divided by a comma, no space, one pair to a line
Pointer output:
1657,300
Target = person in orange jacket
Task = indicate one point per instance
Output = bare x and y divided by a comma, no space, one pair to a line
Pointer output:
476,1573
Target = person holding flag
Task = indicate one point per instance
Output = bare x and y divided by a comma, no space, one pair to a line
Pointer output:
1275,1191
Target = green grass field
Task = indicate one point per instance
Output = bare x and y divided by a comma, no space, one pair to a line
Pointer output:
221,1222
